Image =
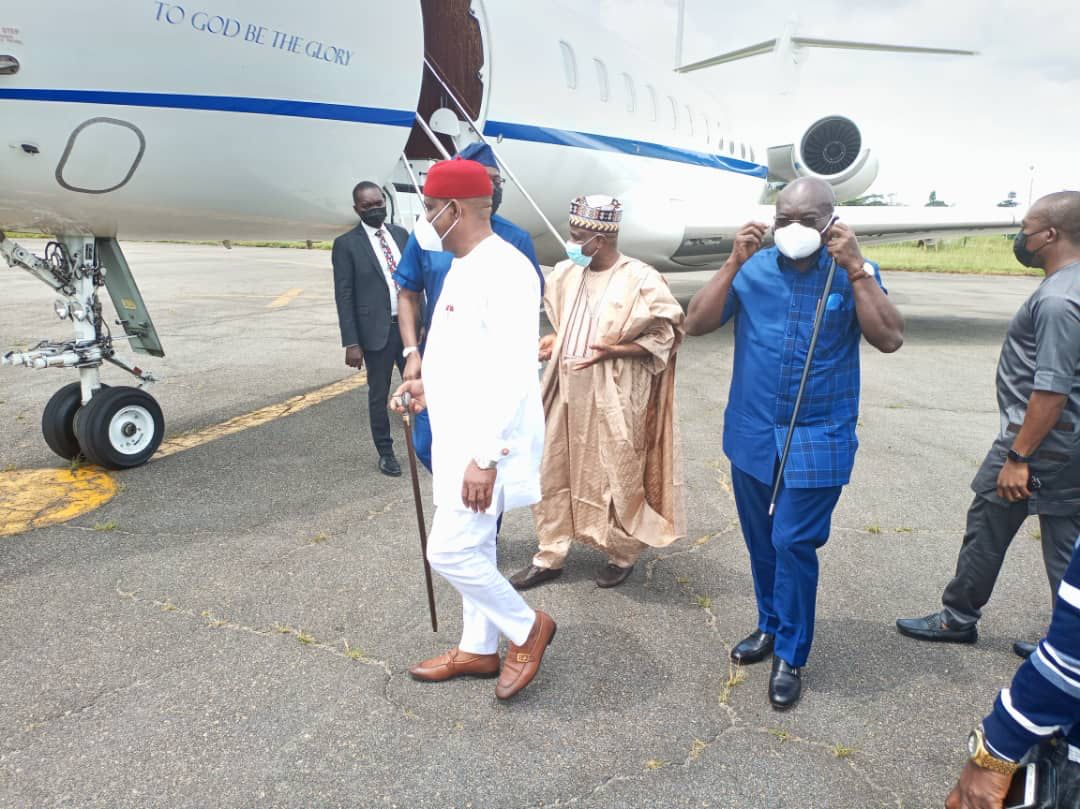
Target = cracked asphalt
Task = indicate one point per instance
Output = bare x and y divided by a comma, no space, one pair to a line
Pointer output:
234,627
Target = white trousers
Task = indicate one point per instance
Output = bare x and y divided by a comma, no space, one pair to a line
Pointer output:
461,548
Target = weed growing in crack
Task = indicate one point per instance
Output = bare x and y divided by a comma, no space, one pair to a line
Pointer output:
354,653
283,629
655,764
319,538
682,580
106,527
697,748
780,734
840,751
305,637
703,601
736,676
168,606
873,529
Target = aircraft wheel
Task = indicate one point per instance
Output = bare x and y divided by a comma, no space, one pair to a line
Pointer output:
120,428
58,421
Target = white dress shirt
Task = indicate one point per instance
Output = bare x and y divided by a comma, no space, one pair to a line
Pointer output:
380,256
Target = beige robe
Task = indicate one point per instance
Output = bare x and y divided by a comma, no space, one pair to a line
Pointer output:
611,473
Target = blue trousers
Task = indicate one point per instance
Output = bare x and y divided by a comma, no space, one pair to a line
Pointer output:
421,436
783,557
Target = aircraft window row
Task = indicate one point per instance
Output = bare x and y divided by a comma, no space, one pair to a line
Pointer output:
569,61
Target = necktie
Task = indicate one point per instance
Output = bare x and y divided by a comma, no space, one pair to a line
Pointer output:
390,263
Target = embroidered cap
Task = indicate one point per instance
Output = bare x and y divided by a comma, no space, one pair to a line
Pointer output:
598,212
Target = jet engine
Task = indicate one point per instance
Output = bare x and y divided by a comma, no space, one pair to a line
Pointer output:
830,148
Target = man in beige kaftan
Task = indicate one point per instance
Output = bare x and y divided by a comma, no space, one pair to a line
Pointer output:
610,475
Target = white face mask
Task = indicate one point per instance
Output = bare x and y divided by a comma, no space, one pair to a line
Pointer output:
797,241
426,236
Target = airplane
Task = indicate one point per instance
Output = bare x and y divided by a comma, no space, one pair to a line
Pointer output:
233,120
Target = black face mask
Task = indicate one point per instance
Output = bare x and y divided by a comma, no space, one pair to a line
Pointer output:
496,199
374,217
1021,251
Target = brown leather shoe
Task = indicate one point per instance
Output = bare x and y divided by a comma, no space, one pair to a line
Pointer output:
522,662
533,576
613,575
455,663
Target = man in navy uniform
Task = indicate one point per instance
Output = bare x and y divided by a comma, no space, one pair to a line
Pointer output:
420,275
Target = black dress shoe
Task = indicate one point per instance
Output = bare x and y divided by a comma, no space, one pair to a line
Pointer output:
785,685
533,576
388,465
613,575
1024,649
933,627
754,648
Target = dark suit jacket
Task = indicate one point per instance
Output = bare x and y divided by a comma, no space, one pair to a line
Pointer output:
363,298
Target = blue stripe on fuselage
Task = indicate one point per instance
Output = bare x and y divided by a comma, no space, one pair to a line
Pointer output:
385,117
606,143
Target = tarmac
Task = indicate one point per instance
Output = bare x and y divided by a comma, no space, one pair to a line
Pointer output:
234,626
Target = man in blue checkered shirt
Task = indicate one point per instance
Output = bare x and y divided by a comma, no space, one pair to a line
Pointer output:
772,296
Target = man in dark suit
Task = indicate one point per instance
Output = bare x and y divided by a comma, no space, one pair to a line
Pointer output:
364,262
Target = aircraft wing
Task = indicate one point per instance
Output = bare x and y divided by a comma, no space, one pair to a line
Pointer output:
695,238
875,224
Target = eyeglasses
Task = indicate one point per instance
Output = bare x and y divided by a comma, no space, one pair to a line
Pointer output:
498,182
815,222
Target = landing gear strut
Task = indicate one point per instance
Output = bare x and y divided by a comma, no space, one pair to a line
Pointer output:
114,427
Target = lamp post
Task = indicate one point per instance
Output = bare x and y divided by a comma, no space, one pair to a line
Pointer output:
1031,183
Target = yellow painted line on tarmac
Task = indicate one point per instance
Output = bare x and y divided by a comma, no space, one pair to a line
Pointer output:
284,300
259,417
36,498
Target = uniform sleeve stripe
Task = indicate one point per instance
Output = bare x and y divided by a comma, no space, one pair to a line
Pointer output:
1023,721
1054,676
1069,594
1063,661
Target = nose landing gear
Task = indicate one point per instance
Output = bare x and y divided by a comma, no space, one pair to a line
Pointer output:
113,427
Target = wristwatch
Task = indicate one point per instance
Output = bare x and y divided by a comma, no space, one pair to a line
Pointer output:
405,352
981,757
1013,455
485,464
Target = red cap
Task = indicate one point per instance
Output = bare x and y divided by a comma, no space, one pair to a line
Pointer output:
457,179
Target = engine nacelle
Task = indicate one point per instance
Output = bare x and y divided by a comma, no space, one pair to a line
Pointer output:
831,148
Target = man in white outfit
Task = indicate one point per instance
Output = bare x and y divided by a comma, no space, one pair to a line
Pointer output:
482,393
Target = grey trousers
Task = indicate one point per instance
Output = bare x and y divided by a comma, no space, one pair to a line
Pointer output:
990,530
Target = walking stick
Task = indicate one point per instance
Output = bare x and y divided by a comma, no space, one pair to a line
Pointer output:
406,417
819,316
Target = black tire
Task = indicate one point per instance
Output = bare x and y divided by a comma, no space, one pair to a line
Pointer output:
103,428
58,421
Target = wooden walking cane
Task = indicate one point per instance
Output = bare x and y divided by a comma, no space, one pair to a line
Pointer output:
406,417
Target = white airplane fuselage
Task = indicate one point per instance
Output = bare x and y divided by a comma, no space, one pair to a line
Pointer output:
238,120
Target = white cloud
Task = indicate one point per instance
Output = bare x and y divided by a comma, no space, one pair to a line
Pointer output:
967,127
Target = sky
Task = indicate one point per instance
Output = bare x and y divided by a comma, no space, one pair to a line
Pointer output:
969,128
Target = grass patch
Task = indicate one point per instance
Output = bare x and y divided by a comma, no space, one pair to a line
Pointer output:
873,529
106,527
305,638
319,538
655,764
980,255
780,734
697,748
840,751
703,601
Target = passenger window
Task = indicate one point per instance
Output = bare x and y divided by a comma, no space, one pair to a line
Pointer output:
569,65
602,80
652,101
631,95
